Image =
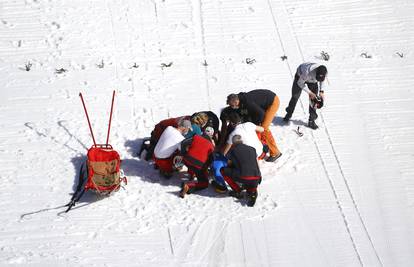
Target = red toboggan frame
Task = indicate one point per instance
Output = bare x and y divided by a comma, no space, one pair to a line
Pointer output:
103,165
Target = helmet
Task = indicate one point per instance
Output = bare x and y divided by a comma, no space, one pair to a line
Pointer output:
209,131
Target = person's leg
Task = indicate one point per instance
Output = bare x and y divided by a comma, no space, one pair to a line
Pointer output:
227,175
268,118
251,196
251,189
201,183
270,141
191,186
155,136
270,113
312,110
296,91
165,166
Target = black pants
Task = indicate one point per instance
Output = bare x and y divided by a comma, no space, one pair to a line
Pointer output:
202,179
296,91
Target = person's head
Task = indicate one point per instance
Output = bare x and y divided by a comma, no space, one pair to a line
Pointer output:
237,139
234,118
184,126
200,119
209,131
321,72
233,101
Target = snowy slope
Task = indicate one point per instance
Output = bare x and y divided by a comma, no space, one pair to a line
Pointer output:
340,196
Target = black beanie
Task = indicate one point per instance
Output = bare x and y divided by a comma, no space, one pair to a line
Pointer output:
321,73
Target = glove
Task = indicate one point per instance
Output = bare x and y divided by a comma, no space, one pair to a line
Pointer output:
317,102
178,162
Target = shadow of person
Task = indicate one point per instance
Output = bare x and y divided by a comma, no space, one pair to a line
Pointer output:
133,147
298,122
206,192
281,122
278,121
147,173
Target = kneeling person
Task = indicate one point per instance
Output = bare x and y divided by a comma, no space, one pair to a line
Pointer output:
197,155
168,146
242,168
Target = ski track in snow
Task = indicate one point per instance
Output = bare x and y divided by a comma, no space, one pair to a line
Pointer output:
342,195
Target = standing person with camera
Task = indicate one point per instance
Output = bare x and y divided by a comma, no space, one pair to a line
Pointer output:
309,77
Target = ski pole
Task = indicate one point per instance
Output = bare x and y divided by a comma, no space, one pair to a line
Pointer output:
110,118
87,117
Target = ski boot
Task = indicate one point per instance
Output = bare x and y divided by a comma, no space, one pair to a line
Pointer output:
251,198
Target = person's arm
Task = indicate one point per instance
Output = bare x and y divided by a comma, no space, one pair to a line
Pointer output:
208,162
302,84
223,132
226,148
322,89
185,144
230,159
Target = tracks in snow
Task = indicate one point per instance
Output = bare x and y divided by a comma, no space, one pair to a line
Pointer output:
327,160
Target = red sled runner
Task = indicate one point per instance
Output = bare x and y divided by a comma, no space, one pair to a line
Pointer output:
103,166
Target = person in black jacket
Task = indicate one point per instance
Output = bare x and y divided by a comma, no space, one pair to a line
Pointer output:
261,106
242,168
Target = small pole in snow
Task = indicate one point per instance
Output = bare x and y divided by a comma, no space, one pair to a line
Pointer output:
169,237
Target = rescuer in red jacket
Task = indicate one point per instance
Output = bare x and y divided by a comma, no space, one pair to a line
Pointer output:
197,156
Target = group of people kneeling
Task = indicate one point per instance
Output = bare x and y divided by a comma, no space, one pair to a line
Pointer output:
229,155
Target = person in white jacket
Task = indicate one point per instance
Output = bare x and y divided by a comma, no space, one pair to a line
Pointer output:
168,146
248,133
309,77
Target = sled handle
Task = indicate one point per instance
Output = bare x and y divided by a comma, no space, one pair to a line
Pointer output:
110,117
87,117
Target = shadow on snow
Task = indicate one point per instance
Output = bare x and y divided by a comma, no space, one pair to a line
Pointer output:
146,172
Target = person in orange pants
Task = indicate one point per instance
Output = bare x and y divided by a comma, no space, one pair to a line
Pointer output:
261,105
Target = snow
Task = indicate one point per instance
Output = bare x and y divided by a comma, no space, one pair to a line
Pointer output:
342,195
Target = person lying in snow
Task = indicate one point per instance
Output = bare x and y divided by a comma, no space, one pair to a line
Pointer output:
212,121
198,124
309,77
242,168
169,145
197,155
261,106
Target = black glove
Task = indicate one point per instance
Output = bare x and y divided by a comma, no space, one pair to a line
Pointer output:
317,102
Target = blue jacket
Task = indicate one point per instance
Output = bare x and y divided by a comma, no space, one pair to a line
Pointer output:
195,130
219,162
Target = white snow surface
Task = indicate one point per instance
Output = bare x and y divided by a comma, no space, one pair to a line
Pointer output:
342,195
